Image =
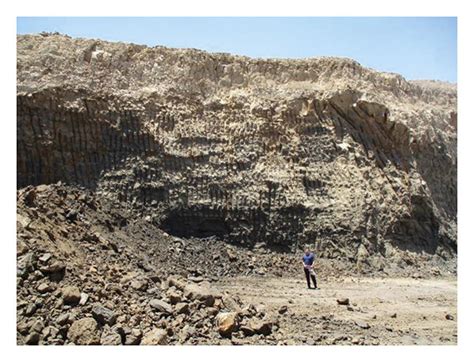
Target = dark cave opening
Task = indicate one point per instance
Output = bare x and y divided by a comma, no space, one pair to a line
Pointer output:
198,224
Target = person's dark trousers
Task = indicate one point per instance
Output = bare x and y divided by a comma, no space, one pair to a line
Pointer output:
313,278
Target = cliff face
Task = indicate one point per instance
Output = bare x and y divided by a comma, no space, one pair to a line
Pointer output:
276,152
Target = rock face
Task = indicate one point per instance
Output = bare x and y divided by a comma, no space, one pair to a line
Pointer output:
142,171
319,151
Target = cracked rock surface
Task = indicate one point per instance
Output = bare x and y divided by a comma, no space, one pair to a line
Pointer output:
136,165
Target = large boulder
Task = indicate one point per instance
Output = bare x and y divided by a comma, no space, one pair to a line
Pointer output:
84,332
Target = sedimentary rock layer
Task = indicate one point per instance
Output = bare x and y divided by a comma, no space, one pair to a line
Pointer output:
277,152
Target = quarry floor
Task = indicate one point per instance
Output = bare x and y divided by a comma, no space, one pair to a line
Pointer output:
383,311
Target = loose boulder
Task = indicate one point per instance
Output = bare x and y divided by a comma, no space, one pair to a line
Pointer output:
84,332
227,323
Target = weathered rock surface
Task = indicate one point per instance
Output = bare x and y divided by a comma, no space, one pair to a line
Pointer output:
307,151
143,171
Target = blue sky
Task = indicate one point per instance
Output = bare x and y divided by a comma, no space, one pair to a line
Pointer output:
417,48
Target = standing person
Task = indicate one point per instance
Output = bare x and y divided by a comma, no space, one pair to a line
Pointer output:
308,261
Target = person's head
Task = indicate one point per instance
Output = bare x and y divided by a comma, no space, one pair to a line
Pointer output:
306,251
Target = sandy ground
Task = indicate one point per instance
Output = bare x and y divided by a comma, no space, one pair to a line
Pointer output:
422,308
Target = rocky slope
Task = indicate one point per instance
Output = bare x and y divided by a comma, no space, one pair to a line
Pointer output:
91,272
159,158
269,151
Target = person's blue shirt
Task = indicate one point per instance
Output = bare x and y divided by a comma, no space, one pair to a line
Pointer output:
308,259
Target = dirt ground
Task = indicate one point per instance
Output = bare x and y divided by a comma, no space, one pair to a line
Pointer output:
381,311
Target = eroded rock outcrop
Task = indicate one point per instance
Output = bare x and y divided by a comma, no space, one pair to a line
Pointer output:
321,151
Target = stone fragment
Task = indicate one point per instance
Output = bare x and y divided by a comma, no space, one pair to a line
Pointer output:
343,301
110,338
261,326
173,296
33,338
187,332
37,326
71,294
50,331
63,319
362,324
231,303
134,337
182,308
227,322
52,268
139,284
161,306
84,299
231,255
157,336
45,257
174,281
201,293
30,309
84,332
103,315
45,288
